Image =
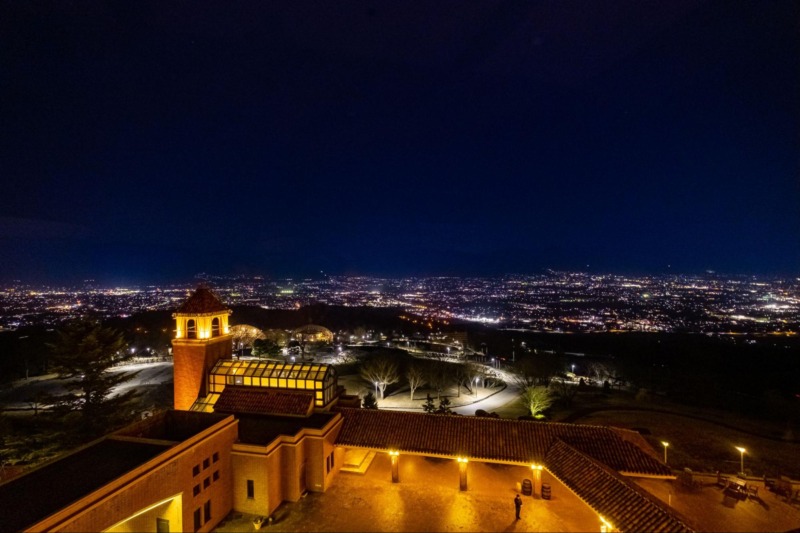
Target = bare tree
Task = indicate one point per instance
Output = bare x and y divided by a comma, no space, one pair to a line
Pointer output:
600,372
536,400
565,390
416,378
462,377
437,375
477,374
382,371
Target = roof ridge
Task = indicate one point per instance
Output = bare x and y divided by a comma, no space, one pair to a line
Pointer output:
561,446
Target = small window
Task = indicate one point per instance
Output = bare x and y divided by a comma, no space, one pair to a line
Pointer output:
196,470
216,457
196,490
162,525
251,490
216,475
207,511
206,482
197,519
215,327
191,329
206,463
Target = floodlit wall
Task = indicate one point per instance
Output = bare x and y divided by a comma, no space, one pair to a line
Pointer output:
193,359
169,475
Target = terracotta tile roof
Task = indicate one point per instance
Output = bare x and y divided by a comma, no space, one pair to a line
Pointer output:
201,302
264,401
626,506
490,438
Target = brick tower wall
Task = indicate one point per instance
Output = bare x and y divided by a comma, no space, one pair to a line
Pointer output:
192,360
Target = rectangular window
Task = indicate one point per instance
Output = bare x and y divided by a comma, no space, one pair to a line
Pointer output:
206,463
206,482
207,512
197,522
215,457
251,489
216,475
196,470
196,490
162,525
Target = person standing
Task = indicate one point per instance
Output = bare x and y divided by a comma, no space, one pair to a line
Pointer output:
517,504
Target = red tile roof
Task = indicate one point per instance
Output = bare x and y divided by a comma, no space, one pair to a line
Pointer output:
201,302
490,438
626,506
264,401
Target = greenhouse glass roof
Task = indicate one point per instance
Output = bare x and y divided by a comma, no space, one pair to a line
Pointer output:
270,369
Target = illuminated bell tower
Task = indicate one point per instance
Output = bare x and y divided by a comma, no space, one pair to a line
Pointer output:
202,338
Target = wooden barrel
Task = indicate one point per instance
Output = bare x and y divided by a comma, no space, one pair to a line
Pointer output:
545,491
527,489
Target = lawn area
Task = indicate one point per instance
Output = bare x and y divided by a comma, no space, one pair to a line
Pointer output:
705,446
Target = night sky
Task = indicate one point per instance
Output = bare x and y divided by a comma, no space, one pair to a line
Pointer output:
149,141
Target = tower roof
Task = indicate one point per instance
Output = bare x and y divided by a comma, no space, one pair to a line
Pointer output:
203,301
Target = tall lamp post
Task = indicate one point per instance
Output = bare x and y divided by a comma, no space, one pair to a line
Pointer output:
476,387
741,453
376,390
666,445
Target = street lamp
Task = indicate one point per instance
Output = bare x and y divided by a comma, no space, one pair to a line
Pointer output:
573,368
666,445
376,389
476,387
741,452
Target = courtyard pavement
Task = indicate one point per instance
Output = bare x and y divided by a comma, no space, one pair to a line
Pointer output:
427,499
709,510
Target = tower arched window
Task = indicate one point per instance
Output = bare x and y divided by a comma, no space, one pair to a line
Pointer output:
191,329
215,327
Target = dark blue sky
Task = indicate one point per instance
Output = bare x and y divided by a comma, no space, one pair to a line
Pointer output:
153,140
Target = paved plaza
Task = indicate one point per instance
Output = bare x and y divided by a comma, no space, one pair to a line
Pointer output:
710,510
427,499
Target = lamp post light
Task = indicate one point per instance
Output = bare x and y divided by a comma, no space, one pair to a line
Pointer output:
476,387
666,445
741,452
573,368
376,390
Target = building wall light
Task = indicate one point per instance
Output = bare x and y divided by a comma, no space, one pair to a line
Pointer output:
605,525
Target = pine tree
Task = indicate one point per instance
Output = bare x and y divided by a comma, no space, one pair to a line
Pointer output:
369,401
83,353
444,406
428,406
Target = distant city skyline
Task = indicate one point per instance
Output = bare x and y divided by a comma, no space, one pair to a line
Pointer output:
555,302
146,143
